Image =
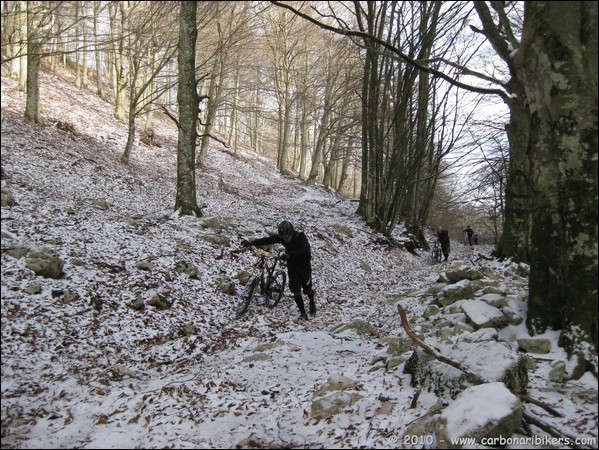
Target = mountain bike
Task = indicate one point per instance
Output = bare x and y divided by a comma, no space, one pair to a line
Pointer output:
266,278
436,252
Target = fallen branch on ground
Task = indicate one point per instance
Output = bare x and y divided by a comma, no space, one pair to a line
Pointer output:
527,417
467,370
533,420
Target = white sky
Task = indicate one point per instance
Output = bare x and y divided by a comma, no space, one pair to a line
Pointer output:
117,378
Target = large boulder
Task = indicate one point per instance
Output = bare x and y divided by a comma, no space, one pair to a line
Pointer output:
454,292
482,413
482,315
491,360
45,264
464,272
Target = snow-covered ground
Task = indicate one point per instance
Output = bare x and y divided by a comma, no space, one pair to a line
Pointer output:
81,368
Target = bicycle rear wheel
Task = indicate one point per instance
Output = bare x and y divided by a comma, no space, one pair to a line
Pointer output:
277,287
436,254
248,294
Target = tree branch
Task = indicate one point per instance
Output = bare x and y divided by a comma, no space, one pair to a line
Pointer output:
467,370
527,416
174,119
396,51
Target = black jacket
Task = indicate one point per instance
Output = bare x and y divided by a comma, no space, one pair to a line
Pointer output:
298,249
443,237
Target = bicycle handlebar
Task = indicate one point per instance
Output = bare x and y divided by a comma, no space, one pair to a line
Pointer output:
261,252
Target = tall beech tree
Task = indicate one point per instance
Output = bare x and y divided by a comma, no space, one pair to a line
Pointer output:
189,106
557,65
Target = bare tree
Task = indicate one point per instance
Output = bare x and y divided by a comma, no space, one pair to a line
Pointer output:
150,48
119,18
557,65
551,208
188,99
230,30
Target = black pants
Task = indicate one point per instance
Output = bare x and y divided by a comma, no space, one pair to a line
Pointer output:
300,278
445,250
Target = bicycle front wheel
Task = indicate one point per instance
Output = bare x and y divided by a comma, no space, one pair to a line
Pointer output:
248,294
277,287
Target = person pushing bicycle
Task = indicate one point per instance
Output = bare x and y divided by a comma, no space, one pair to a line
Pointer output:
443,236
298,257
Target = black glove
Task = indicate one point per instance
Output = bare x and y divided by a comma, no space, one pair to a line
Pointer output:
246,243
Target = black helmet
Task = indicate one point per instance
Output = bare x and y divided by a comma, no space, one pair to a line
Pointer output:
285,228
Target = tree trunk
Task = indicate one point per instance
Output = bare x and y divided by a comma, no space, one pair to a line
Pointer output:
130,128
99,86
515,239
118,14
25,32
234,133
557,63
214,92
33,69
188,100
78,53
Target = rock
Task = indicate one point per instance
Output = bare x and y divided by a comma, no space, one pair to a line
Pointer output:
482,315
359,326
557,374
398,345
394,362
386,409
267,346
223,241
333,404
257,357
500,420
44,263
454,292
342,229
496,300
16,252
145,265
535,345
226,285
365,267
8,199
212,223
482,335
187,268
493,361
463,273
336,383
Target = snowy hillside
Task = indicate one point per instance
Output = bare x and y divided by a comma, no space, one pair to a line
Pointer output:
88,362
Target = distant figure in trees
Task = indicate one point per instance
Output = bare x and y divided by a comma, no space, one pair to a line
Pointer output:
443,236
475,238
469,232
297,255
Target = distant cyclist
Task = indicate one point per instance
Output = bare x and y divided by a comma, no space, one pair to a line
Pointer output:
298,257
443,236
469,232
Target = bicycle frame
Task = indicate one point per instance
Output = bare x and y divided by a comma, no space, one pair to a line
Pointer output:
266,277
436,252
